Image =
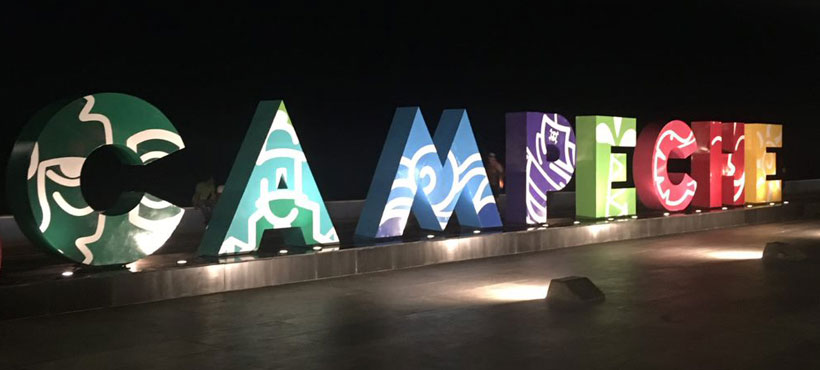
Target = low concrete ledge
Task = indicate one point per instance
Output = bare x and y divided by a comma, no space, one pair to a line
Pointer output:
159,278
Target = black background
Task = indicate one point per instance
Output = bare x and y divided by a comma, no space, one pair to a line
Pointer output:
342,70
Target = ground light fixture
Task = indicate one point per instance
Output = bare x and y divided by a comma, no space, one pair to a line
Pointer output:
573,292
181,262
476,231
317,248
67,273
666,214
785,202
724,208
283,251
576,222
789,251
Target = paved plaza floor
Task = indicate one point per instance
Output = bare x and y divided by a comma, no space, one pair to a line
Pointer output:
696,301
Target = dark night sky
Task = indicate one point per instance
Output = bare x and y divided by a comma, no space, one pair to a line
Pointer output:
343,70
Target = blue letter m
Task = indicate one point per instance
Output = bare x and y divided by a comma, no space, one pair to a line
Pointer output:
432,177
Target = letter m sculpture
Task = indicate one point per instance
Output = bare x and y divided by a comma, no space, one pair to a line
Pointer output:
430,177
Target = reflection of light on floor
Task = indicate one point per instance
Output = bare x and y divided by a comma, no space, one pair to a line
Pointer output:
748,254
513,292
686,255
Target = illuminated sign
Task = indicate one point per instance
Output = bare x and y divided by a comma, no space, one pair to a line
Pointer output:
270,187
657,188
760,163
598,167
540,159
44,182
433,177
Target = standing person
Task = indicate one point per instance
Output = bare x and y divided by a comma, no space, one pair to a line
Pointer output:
205,198
495,174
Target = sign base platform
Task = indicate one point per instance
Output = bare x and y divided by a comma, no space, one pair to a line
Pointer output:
59,288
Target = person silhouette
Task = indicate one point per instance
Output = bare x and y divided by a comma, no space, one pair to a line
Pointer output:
204,198
495,174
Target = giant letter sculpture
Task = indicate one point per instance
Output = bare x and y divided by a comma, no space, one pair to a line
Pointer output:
433,177
598,167
270,187
759,163
657,188
44,183
540,159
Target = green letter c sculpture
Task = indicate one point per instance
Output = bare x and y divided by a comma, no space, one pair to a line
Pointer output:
44,180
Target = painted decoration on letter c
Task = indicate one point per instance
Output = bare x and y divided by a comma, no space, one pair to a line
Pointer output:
270,187
760,163
432,177
45,185
598,167
658,188
540,158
